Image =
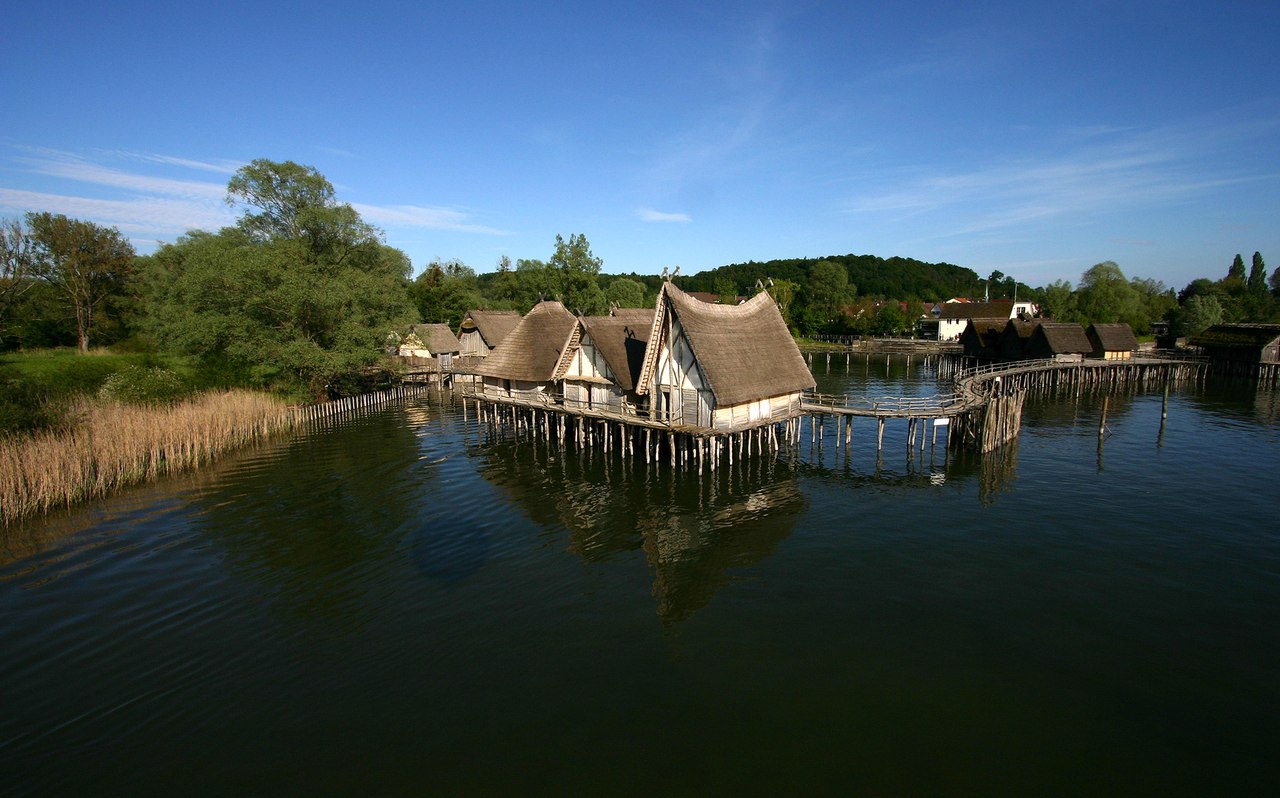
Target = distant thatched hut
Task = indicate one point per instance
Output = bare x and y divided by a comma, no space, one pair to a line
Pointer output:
981,338
526,364
483,330
607,353
1240,348
430,341
1112,341
722,367
1058,340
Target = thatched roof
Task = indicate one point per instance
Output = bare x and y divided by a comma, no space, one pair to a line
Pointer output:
493,325
1113,337
644,315
435,338
1061,338
1022,329
531,351
985,331
745,351
621,341
1242,336
976,310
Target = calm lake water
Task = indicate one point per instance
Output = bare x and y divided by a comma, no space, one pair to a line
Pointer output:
397,604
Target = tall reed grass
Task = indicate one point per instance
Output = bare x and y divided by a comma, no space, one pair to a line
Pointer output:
109,445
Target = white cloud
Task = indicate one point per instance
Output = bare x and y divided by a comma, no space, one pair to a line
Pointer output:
650,215
415,216
145,216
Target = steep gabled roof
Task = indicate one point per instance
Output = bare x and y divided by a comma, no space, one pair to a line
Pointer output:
644,315
1245,336
745,351
531,351
976,310
436,338
493,325
1062,338
621,341
1113,337
986,331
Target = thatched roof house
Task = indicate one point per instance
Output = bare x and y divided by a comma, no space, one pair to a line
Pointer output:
1013,341
429,340
1112,341
722,367
1058,340
526,363
605,361
1240,343
482,330
981,337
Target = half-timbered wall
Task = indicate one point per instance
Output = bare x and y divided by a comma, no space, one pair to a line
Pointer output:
680,392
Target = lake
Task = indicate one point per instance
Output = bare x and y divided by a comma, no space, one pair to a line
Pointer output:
398,602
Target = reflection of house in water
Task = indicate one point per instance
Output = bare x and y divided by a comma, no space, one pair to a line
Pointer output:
695,533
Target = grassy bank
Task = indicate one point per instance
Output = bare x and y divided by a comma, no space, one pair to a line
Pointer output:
101,446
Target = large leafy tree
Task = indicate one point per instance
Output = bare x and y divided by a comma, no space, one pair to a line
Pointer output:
444,292
16,264
576,271
828,289
1258,275
301,290
1106,296
84,262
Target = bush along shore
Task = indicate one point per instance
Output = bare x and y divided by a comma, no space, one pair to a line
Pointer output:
107,444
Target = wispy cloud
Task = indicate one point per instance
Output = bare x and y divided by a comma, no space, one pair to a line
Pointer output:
650,215
149,207
428,218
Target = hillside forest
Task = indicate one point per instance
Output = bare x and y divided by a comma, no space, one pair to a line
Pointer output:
301,293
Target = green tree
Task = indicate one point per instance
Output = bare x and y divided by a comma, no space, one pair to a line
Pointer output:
1105,296
1236,271
1197,315
16,267
726,290
444,292
1258,275
1059,302
890,320
86,263
828,289
301,292
577,269
1155,301
1274,282
784,292
626,293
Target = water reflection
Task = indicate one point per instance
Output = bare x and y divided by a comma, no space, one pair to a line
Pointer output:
697,531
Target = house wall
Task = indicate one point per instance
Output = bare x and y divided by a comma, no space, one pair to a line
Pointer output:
760,411
472,344
680,393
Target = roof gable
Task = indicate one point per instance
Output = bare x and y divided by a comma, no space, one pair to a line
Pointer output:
493,325
435,338
621,341
532,350
1113,337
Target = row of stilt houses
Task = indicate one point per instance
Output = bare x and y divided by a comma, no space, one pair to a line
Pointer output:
686,380
1000,339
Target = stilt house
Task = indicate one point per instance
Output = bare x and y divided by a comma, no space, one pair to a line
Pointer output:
1058,340
1017,334
483,330
1240,347
603,362
981,338
526,364
721,367
1112,341
435,342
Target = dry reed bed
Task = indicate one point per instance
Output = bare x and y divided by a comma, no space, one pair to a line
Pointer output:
113,445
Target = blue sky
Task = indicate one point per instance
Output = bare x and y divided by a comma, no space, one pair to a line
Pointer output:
1037,139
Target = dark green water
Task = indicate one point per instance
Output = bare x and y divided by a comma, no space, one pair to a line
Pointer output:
396,604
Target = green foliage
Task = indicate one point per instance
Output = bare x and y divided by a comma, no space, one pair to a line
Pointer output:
1199,314
444,292
86,263
1258,275
299,294
626,293
828,289
1059,302
144,385
577,269
1105,296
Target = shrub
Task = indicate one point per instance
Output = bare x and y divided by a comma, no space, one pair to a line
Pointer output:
139,385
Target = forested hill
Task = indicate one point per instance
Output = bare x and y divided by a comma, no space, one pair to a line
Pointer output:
869,275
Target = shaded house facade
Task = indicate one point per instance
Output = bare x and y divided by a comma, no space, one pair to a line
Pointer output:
721,367
1017,333
526,364
1240,346
483,330
430,341
602,362
1058,341
1112,341
981,338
